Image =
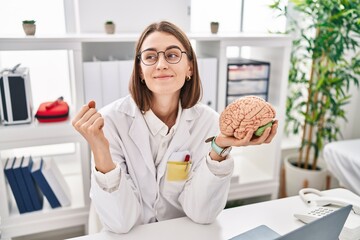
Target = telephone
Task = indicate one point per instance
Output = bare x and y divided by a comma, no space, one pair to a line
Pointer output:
321,204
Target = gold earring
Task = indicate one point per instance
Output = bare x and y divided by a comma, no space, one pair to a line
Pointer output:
188,78
142,81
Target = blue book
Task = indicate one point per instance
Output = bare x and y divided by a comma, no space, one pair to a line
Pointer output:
22,185
36,172
36,195
13,184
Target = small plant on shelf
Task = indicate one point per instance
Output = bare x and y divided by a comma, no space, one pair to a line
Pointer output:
214,27
109,27
29,22
29,27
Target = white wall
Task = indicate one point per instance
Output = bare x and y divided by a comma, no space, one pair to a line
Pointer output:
131,16
351,129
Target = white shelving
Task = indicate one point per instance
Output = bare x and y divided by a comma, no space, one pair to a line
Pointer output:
17,140
257,167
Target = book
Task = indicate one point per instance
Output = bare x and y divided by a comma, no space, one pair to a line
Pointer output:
36,195
36,172
21,183
57,182
8,170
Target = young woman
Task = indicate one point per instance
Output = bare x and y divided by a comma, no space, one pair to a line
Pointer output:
151,159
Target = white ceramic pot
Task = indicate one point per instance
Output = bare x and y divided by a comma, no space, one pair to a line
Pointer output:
110,28
296,177
29,29
214,27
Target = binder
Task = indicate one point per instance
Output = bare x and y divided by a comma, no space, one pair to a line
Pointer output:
22,185
13,184
125,71
36,195
36,172
57,182
208,75
110,81
92,83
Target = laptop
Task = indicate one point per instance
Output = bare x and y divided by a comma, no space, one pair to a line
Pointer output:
326,228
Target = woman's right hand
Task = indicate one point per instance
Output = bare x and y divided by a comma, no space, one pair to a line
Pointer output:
89,123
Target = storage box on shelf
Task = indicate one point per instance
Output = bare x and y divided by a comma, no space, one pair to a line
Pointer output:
247,77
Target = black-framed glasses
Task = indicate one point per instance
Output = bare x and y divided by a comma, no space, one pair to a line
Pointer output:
150,57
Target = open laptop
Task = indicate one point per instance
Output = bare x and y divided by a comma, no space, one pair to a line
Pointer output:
326,228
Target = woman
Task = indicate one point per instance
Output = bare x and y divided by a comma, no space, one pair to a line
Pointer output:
151,159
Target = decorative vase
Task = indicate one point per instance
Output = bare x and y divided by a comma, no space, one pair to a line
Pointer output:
214,27
297,178
110,28
29,29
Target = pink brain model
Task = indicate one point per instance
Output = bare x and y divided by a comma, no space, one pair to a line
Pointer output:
244,114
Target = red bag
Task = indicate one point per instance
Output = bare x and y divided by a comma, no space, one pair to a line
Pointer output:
56,111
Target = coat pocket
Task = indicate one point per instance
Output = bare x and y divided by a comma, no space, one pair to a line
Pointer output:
177,171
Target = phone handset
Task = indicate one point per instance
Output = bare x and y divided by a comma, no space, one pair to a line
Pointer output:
323,200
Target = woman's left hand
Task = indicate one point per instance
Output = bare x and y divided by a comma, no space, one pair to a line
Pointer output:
249,139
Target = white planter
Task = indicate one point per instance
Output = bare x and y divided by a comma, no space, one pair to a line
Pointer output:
29,29
110,28
214,27
296,177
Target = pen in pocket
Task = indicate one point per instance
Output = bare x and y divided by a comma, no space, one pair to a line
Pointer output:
187,160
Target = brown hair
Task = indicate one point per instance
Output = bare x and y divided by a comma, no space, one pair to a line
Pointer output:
190,93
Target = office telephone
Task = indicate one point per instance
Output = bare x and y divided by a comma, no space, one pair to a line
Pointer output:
320,205
322,200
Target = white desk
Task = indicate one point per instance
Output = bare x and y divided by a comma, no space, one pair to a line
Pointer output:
277,214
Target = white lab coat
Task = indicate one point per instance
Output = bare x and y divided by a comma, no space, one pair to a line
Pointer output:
144,195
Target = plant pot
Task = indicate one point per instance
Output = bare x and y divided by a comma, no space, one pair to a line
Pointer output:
214,27
29,29
297,178
110,28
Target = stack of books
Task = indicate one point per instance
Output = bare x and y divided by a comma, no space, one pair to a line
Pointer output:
31,180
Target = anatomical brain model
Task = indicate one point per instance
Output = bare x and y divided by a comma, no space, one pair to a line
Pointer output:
244,114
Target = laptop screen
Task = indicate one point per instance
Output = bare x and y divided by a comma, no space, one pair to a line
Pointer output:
326,228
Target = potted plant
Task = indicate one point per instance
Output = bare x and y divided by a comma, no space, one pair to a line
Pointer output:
109,27
214,27
320,75
29,27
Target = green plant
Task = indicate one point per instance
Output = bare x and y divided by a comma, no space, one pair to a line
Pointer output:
28,21
109,22
321,71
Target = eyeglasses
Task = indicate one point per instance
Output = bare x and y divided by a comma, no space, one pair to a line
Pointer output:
150,57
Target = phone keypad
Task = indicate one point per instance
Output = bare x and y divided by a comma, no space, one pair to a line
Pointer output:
320,212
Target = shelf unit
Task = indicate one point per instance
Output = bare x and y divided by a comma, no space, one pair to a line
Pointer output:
257,167
52,138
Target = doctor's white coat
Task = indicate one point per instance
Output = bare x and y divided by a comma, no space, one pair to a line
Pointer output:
144,195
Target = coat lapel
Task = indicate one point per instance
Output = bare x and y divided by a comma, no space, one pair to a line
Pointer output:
139,133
